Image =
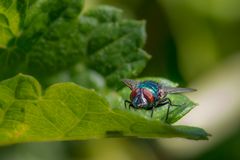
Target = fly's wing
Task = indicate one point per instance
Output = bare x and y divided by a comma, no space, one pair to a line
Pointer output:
177,90
130,83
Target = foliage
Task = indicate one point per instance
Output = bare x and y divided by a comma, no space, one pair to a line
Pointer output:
46,38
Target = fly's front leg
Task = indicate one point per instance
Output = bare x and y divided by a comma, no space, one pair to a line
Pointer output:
152,111
129,104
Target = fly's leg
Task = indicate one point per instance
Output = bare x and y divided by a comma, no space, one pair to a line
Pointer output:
169,102
169,105
152,112
125,103
164,102
168,108
129,104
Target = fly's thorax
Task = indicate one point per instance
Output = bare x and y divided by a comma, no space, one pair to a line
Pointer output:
151,86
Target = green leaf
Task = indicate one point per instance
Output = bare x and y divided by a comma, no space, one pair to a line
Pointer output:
66,111
114,46
42,16
115,55
116,100
60,45
11,18
42,46
54,38
87,42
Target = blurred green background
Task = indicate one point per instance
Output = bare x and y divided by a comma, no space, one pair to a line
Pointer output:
193,42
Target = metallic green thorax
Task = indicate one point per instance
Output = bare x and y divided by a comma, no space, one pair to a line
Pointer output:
152,86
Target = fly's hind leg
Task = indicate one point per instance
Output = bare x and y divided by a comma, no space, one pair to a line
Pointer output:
164,102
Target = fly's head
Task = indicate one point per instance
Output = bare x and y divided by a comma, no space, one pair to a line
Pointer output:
141,98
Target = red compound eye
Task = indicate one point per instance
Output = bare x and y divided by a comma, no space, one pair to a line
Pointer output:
134,93
148,95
